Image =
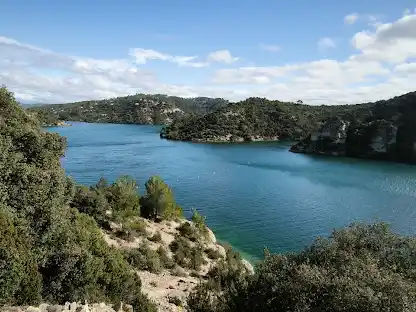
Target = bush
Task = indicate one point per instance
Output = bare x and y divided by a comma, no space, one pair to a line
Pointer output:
137,227
178,271
20,281
198,220
125,234
175,300
166,261
189,231
185,255
359,268
157,237
213,254
144,258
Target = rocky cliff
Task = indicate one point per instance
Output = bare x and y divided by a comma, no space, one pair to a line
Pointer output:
387,132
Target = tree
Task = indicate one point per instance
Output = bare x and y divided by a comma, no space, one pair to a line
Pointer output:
159,202
49,250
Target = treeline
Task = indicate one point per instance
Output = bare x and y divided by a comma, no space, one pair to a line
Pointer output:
259,118
136,109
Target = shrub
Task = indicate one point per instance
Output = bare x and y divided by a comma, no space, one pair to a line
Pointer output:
198,220
20,281
185,255
189,231
213,254
125,234
166,261
144,258
157,237
359,268
92,202
195,274
175,300
136,226
178,271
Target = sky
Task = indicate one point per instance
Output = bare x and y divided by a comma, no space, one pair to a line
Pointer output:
317,51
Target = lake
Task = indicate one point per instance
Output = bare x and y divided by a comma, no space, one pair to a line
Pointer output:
253,195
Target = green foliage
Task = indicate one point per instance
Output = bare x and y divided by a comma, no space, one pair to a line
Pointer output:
213,254
136,226
157,238
158,201
49,251
123,197
120,198
20,281
198,220
257,117
185,255
359,268
189,231
144,258
175,300
166,261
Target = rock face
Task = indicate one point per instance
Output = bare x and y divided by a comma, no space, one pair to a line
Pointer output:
328,139
378,139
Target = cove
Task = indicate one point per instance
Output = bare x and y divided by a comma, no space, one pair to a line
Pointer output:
254,195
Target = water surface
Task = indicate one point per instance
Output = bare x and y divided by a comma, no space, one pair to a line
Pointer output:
253,195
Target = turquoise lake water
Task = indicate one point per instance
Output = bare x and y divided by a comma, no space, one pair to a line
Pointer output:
254,195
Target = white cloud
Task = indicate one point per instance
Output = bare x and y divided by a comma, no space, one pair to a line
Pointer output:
270,47
350,18
144,55
222,56
326,43
391,42
382,65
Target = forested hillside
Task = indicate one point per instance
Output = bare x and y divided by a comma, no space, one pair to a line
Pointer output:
137,109
258,119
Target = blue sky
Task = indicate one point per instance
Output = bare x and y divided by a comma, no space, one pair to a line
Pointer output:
257,34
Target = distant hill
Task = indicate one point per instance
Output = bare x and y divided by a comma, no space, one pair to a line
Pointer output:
136,109
257,119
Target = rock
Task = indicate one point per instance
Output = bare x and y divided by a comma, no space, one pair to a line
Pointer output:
11,309
33,309
127,308
43,307
114,226
66,307
73,307
222,251
248,266
54,308
211,236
